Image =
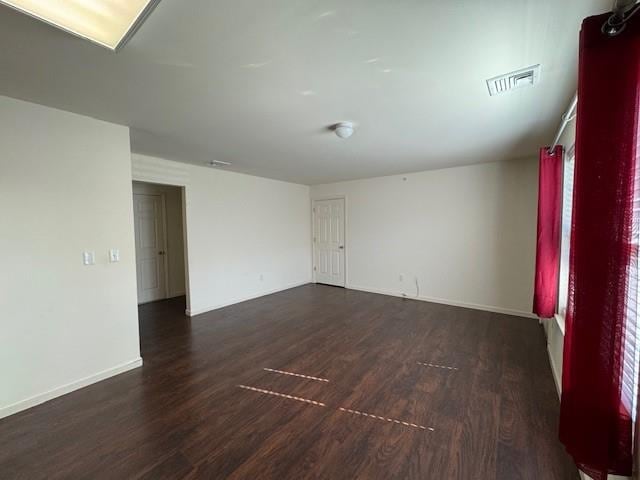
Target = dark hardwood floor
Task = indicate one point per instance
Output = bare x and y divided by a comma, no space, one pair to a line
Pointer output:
492,414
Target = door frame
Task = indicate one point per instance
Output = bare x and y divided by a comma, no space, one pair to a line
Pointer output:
173,174
165,245
313,235
165,241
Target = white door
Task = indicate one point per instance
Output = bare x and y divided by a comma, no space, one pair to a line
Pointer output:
328,232
150,249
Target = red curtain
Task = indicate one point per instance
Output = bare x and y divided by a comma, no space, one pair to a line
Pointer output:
595,423
545,297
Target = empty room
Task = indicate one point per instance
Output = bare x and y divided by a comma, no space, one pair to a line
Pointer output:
308,239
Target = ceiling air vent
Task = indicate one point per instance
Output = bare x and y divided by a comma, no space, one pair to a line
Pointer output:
511,81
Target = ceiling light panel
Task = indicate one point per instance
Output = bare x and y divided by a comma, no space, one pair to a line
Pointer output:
109,23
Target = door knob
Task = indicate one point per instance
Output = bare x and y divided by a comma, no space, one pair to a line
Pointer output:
341,247
161,252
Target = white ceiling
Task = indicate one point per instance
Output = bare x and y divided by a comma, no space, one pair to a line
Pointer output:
256,83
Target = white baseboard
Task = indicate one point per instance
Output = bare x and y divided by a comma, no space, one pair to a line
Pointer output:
200,311
68,388
422,298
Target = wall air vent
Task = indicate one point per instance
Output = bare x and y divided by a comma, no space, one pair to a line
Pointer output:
511,81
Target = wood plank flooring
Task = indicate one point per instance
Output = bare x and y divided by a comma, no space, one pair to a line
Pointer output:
492,414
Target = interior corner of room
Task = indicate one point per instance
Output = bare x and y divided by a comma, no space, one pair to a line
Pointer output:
253,242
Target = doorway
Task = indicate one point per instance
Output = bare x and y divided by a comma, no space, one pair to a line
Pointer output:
329,253
159,241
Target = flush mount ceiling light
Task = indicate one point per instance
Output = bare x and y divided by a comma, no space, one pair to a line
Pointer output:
110,23
343,129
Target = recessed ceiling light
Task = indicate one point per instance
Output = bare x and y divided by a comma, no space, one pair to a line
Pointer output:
110,23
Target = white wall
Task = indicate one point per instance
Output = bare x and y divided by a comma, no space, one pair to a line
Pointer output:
466,234
65,187
246,236
175,237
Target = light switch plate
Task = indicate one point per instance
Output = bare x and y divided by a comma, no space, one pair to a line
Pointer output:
89,258
114,255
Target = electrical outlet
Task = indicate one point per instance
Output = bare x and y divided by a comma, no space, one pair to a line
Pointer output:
401,278
261,277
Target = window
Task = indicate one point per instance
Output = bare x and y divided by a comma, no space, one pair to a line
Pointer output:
565,242
631,356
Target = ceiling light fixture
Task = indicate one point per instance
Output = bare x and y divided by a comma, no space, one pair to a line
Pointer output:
343,129
110,23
